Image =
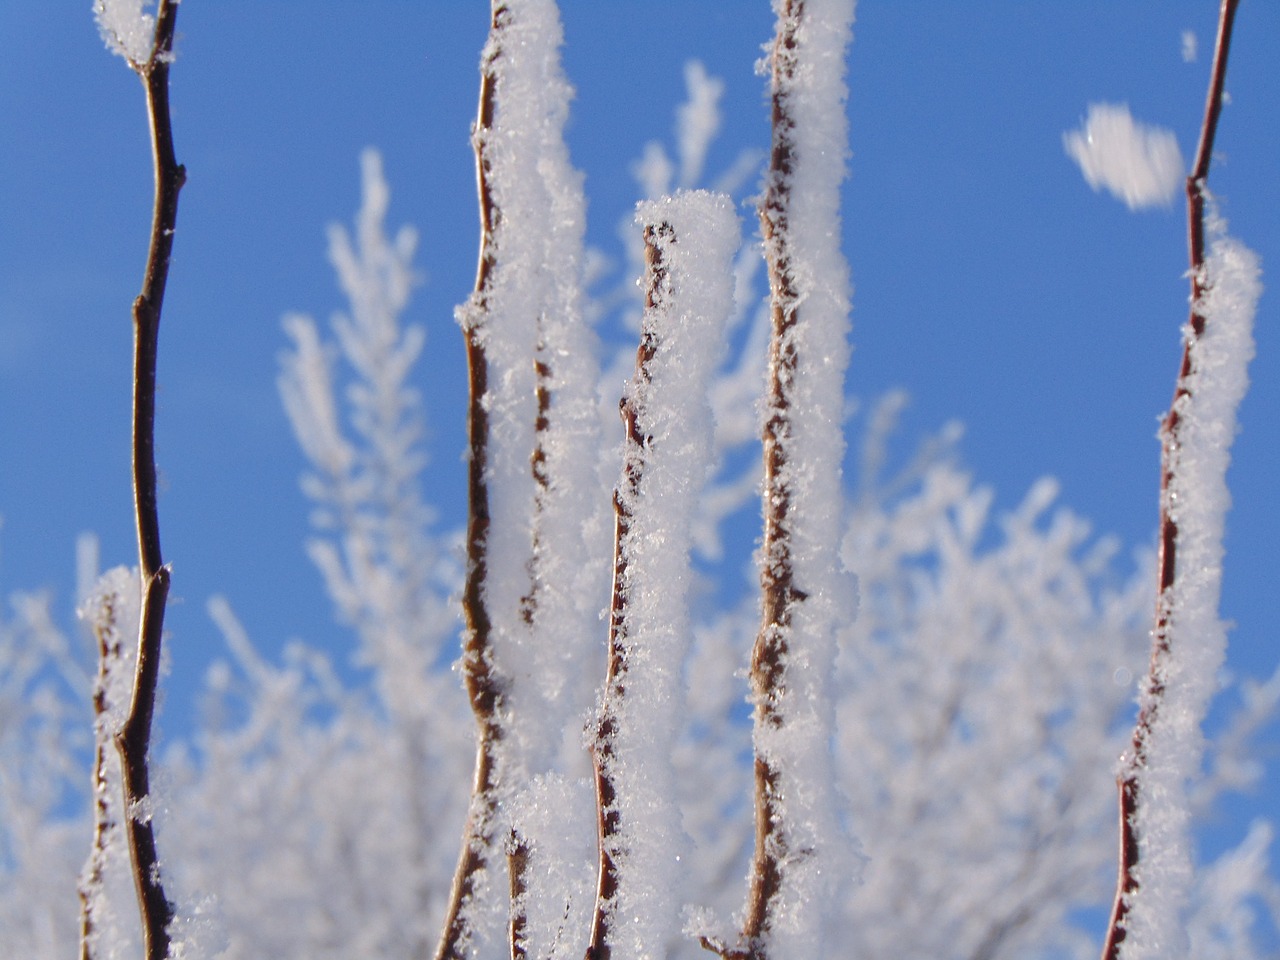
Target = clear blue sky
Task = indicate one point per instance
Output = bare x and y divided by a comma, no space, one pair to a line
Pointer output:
991,281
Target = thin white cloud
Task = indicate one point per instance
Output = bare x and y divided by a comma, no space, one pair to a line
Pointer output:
1138,164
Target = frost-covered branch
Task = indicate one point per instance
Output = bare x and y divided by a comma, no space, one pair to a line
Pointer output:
735,483
803,596
1189,641
124,25
527,596
690,240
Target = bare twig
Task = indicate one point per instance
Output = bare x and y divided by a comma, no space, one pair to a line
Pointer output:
484,685
1162,638
609,818
133,739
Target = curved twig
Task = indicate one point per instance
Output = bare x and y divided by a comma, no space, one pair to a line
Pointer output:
1162,641
133,739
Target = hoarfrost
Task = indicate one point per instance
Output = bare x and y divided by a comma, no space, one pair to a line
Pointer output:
126,29
556,903
794,716
112,611
540,591
1136,163
695,237
1197,500
540,579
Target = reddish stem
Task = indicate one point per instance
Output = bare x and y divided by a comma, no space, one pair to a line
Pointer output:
1128,784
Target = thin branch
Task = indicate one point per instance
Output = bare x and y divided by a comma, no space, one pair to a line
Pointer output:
484,685
779,594
609,818
1127,884
133,739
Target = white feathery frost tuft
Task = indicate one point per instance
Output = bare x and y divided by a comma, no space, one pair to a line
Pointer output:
1136,163
1197,499
126,28
696,234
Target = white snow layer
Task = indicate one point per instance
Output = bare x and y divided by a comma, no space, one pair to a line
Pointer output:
125,29
529,314
1137,163
1197,499
673,413
546,579
801,748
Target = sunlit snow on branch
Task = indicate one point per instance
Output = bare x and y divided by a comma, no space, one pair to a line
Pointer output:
1186,667
125,28
1136,163
965,724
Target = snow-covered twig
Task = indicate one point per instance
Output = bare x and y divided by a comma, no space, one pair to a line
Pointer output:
1189,641
527,602
797,828
689,240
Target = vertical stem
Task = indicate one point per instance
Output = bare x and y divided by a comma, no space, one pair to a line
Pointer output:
779,594
133,739
609,819
484,685
1162,647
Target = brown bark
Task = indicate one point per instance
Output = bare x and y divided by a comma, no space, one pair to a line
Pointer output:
779,592
484,684
133,739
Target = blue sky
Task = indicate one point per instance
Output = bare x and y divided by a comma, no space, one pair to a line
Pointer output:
990,281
